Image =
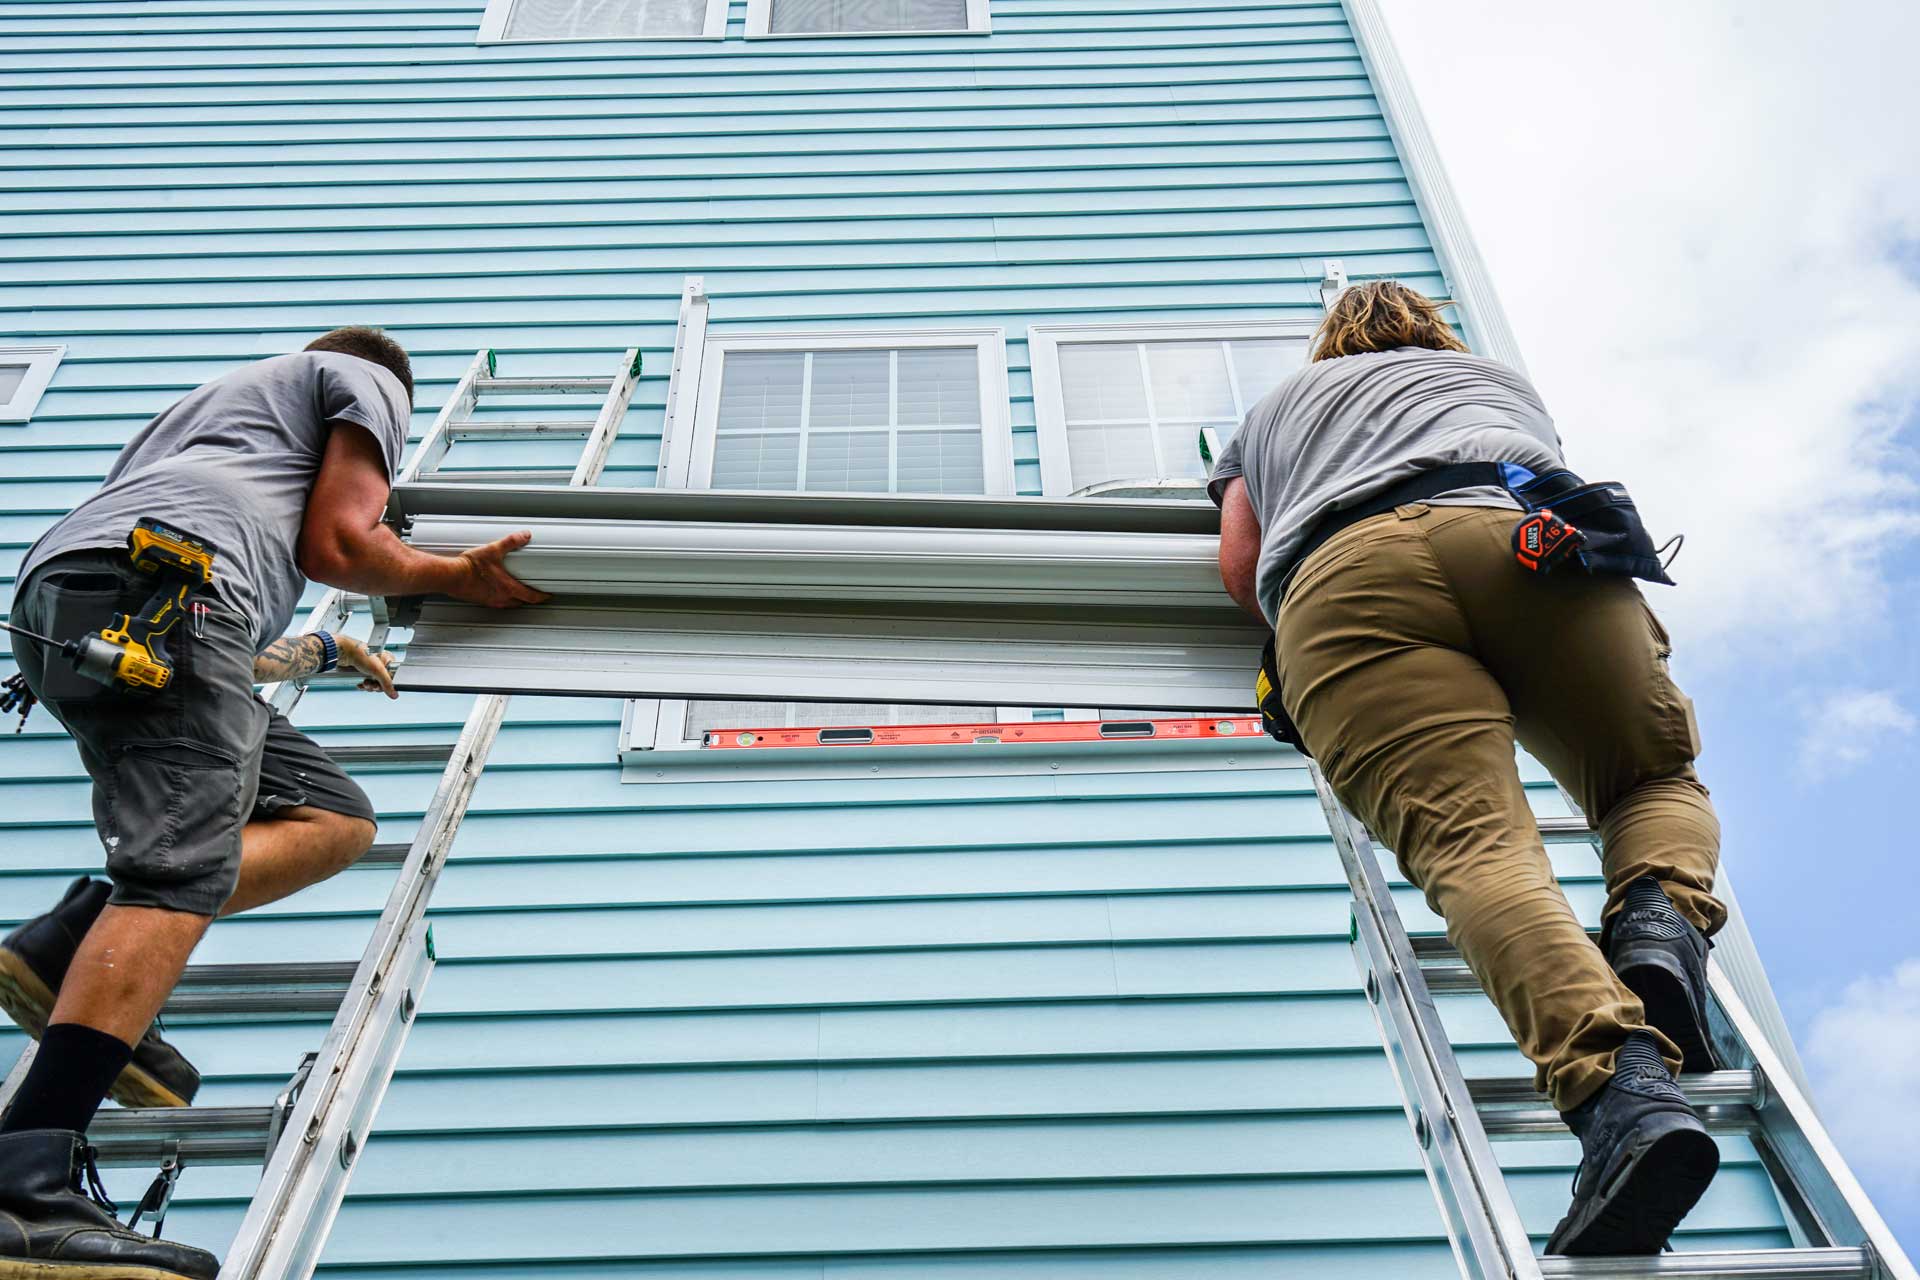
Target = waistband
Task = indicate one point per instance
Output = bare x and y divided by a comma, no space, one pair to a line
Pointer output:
1415,488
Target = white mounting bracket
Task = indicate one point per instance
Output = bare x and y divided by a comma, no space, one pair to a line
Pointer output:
1333,282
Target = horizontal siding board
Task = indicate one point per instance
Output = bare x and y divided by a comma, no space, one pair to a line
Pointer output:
243,119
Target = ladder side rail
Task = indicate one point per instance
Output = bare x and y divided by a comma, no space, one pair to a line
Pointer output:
336,606
1483,1224
1788,1124
606,427
17,1076
1810,1175
303,1176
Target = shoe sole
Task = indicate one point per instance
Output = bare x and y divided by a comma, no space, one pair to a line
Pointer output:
1668,998
24,1269
1653,1190
29,1003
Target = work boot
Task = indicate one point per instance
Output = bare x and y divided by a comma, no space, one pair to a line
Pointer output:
1646,1160
33,963
52,1224
1662,958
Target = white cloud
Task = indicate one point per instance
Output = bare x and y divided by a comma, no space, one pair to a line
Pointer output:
1864,1057
1850,727
1696,214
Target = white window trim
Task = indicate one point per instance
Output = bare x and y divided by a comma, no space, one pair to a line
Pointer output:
493,28
690,459
760,25
1049,408
660,724
41,361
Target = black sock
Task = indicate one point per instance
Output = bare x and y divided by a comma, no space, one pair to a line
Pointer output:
69,1079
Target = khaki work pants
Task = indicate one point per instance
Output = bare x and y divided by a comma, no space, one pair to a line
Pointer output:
1414,651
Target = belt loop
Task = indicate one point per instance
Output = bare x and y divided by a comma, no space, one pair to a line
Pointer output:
1411,510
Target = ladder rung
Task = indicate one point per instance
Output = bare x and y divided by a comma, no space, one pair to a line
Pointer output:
349,756
552,386
384,855
205,1135
1509,1108
1576,825
1755,1264
315,987
569,429
1442,967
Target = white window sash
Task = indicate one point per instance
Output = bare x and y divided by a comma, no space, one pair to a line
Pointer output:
760,25
1049,402
493,28
41,361
691,453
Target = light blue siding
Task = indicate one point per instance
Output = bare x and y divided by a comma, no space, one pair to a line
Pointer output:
1018,1024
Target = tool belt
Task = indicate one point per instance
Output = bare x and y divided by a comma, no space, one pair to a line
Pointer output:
1566,523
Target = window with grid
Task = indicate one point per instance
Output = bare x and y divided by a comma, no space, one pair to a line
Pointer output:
866,17
550,20
894,412
890,420
1135,410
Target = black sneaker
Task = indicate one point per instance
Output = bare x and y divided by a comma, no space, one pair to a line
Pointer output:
33,963
1646,1160
1662,958
52,1224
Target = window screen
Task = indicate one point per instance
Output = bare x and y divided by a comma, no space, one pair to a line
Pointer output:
1134,410
604,19
11,376
831,16
859,421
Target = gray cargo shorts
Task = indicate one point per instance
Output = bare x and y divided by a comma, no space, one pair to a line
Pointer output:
176,774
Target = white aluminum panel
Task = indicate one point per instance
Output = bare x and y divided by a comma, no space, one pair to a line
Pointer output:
841,562
1154,657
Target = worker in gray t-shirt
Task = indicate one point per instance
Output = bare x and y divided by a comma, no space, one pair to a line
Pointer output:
207,801
1414,651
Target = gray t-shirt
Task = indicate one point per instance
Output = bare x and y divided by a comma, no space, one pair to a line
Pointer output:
232,462
1340,431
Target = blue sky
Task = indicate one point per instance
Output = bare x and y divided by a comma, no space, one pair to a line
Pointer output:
1704,222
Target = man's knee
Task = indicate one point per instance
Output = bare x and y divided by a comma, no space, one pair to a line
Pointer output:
351,836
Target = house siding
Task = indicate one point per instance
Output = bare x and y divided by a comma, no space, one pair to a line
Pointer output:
1019,1021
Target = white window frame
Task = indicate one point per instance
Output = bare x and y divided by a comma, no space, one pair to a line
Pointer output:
691,453
649,724
760,25
41,361
493,28
1049,404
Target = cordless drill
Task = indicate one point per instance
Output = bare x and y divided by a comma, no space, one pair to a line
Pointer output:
130,652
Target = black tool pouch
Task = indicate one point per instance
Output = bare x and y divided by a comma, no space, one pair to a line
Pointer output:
1273,714
1615,539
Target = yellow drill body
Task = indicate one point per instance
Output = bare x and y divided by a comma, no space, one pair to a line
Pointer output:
131,650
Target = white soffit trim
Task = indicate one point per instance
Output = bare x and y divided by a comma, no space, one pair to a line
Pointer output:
1486,322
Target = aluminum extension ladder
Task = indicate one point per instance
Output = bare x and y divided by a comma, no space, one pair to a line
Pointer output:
1837,1233
311,1135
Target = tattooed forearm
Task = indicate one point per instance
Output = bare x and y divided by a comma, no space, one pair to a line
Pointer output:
289,659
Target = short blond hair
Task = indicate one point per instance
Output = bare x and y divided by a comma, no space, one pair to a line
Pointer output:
1383,315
